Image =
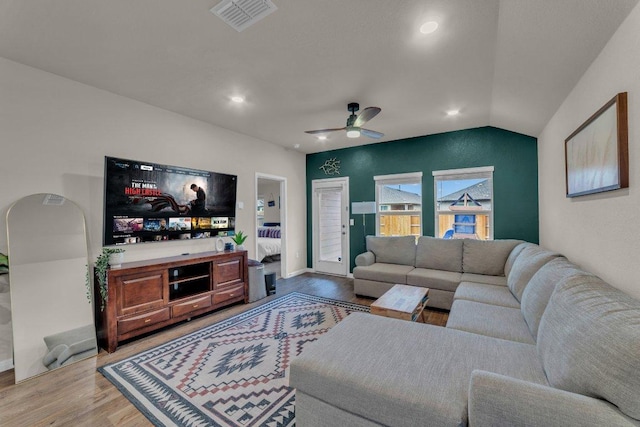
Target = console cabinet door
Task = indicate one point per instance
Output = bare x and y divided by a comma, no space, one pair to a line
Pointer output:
229,272
142,291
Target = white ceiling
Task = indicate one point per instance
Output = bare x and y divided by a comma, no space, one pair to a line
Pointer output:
504,63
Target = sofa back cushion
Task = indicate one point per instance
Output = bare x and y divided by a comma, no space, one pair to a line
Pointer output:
537,293
513,255
439,254
486,256
393,249
589,342
530,260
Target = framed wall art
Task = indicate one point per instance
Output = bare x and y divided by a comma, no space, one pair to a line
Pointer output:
597,153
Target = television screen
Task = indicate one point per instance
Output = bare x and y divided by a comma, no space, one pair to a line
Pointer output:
150,202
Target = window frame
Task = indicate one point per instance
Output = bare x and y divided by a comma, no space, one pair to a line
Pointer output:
485,172
396,179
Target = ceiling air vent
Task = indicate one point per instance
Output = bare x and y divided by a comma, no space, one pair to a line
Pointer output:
53,200
240,14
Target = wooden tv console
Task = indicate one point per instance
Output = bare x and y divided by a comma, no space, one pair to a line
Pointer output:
147,295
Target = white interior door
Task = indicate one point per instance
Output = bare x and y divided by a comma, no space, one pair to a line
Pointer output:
330,226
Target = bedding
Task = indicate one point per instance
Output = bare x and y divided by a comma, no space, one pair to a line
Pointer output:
269,242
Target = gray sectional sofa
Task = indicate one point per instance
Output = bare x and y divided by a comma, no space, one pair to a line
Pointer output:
438,264
551,345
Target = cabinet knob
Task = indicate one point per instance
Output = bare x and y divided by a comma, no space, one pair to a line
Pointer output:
230,295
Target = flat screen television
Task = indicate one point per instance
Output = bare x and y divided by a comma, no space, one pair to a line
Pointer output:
150,202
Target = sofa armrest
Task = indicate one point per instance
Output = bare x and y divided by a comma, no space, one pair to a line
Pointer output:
498,400
50,360
364,259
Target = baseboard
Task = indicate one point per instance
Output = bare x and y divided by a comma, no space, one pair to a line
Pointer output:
348,276
5,365
299,272
311,270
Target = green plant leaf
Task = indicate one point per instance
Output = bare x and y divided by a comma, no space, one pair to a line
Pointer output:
239,238
100,271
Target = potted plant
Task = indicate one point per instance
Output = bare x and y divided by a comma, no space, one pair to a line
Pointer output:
101,267
4,269
4,264
239,239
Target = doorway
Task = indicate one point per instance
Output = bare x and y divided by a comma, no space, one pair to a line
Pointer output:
271,223
330,209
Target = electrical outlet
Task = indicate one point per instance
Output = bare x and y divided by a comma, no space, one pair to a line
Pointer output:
297,254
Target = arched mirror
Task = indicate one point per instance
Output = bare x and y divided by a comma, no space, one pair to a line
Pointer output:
52,314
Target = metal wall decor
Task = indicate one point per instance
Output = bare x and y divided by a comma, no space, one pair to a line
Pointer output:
331,167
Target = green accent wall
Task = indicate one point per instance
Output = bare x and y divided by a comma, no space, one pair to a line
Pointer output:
515,178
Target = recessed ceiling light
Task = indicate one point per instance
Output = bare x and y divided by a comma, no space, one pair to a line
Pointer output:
237,99
453,112
296,146
322,137
428,27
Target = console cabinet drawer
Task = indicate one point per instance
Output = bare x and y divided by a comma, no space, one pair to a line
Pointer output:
229,272
141,292
142,320
227,294
194,304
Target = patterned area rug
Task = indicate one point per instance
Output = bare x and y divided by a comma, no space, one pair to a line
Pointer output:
232,373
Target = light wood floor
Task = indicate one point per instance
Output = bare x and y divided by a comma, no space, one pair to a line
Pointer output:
78,395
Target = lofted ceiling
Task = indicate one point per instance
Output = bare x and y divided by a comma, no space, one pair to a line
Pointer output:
504,63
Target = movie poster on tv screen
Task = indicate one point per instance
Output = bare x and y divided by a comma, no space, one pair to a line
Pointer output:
149,202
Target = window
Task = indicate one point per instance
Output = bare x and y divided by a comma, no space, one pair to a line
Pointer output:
260,210
464,203
399,204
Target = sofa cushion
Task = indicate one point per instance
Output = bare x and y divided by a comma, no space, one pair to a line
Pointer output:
437,279
589,342
483,278
365,259
384,370
393,250
487,294
381,272
491,320
530,260
537,293
513,255
486,256
439,254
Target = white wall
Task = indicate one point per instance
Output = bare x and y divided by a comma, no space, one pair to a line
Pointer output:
55,132
598,232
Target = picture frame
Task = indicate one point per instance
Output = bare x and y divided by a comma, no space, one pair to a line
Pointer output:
597,153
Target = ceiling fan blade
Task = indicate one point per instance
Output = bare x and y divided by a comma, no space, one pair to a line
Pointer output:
315,132
371,133
366,115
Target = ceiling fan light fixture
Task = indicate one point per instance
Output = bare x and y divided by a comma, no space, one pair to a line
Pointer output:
353,132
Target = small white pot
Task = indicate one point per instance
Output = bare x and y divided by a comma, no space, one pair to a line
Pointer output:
115,260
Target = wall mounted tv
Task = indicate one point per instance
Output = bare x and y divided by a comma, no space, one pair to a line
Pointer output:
150,202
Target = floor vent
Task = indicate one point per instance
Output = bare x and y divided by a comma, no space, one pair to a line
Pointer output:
241,14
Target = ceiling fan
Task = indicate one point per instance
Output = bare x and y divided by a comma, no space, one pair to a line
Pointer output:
354,123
